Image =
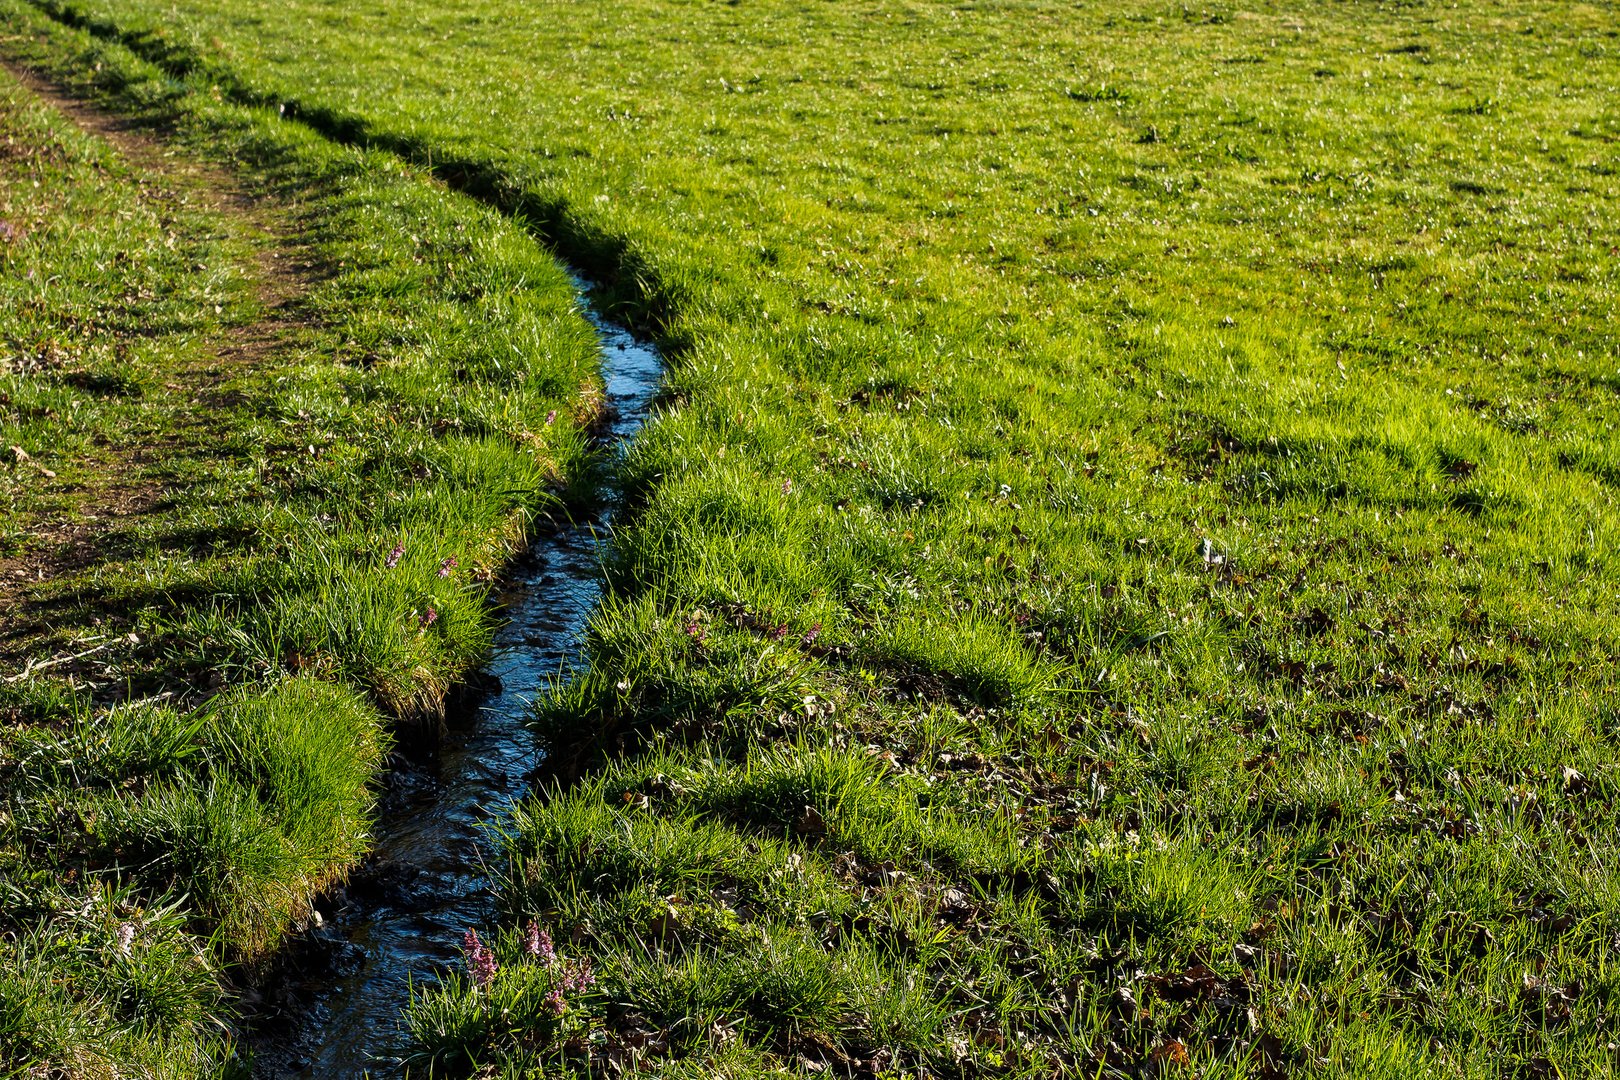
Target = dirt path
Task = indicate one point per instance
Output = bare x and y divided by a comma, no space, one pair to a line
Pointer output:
166,174
74,542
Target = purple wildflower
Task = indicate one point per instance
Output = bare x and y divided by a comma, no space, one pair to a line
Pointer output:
778,632
480,959
551,416
577,975
538,943
696,632
787,487
447,566
555,1002
810,638
394,556
427,618
126,938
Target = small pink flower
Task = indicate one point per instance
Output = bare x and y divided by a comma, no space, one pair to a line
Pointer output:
787,487
447,566
395,555
577,975
427,618
555,1002
480,959
538,943
810,638
550,417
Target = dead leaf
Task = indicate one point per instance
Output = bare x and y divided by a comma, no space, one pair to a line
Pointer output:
1171,1052
810,822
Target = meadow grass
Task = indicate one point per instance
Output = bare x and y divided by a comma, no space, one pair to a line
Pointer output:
251,563
1126,583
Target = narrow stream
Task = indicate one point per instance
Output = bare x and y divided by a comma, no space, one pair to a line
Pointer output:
333,1010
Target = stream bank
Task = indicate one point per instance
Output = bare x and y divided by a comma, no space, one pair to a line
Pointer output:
331,1008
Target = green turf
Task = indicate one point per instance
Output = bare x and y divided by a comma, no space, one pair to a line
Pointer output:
1129,573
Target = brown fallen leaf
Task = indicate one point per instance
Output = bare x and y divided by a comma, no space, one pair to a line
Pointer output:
1171,1052
810,822
1460,469
1314,622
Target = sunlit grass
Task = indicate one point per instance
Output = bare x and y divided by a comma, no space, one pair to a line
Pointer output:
1126,575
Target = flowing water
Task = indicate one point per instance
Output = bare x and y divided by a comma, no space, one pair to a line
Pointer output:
332,1010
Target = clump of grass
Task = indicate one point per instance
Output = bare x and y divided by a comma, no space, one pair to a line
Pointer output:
105,981
521,986
274,808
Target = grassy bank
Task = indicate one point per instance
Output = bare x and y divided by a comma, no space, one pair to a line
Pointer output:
1130,585
274,413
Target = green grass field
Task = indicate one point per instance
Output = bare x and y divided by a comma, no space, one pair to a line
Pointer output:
1124,580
